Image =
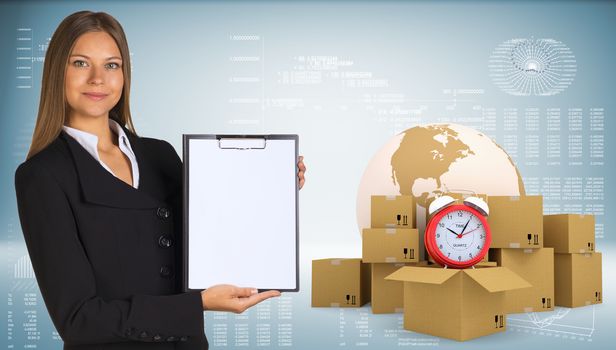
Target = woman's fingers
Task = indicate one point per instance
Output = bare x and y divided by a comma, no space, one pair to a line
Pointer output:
227,297
301,165
257,298
245,292
301,170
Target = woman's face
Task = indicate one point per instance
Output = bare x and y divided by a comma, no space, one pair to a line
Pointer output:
94,78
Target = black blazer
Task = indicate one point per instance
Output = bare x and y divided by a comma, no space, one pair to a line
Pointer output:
107,256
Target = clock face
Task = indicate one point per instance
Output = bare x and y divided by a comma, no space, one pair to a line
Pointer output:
458,236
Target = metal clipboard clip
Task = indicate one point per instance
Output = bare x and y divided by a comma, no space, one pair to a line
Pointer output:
242,144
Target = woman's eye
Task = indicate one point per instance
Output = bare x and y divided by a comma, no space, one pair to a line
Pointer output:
80,63
113,65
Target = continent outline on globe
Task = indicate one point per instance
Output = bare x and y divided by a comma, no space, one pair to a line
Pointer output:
427,160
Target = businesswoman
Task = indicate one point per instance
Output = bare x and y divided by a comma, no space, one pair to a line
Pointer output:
100,207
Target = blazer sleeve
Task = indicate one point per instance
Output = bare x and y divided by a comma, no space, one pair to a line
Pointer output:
67,283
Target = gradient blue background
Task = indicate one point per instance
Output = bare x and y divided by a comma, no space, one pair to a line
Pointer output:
419,50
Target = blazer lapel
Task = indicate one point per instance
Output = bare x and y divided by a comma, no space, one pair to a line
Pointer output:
151,177
101,187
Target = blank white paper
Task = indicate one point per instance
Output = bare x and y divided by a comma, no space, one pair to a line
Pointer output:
242,215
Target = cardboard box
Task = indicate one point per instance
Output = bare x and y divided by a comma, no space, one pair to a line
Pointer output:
340,283
390,245
536,266
392,212
456,304
569,233
577,279
516,222
386,296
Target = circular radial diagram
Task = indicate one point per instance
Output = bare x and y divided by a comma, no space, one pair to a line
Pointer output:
540,67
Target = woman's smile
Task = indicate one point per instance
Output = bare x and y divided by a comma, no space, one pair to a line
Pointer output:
95,96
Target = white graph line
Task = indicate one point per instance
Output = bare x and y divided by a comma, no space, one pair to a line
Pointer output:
549,323
553,330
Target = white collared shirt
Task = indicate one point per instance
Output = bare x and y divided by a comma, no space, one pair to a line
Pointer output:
90,143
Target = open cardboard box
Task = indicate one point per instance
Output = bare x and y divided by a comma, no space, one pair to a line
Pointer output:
456,304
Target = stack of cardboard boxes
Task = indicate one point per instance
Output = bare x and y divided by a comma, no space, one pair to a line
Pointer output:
392,242
516,224
457,304
537,262
577,266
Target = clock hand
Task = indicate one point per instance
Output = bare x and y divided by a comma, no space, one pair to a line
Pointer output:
461,235
450,230
464,229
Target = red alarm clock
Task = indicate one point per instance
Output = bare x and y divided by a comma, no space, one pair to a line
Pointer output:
458,235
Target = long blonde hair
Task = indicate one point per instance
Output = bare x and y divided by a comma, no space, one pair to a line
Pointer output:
53,109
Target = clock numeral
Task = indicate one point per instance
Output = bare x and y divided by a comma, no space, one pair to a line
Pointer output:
459,258
460,214
449,216
438,235
478,247
470,255
448,254
440,246
441,224
482,236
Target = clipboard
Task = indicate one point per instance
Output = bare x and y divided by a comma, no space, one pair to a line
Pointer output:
241,222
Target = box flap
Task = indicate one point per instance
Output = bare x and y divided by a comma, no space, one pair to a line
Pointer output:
497,279
422,274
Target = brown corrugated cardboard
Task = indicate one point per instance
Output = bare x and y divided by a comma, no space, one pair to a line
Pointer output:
536,266
486,263
577,279
392,212
390,245
386,296
456,304
569,233
516,222
340,283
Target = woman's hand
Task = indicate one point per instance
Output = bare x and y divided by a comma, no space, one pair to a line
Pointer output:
301,171
225,297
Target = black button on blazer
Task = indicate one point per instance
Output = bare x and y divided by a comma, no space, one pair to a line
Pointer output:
95,244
